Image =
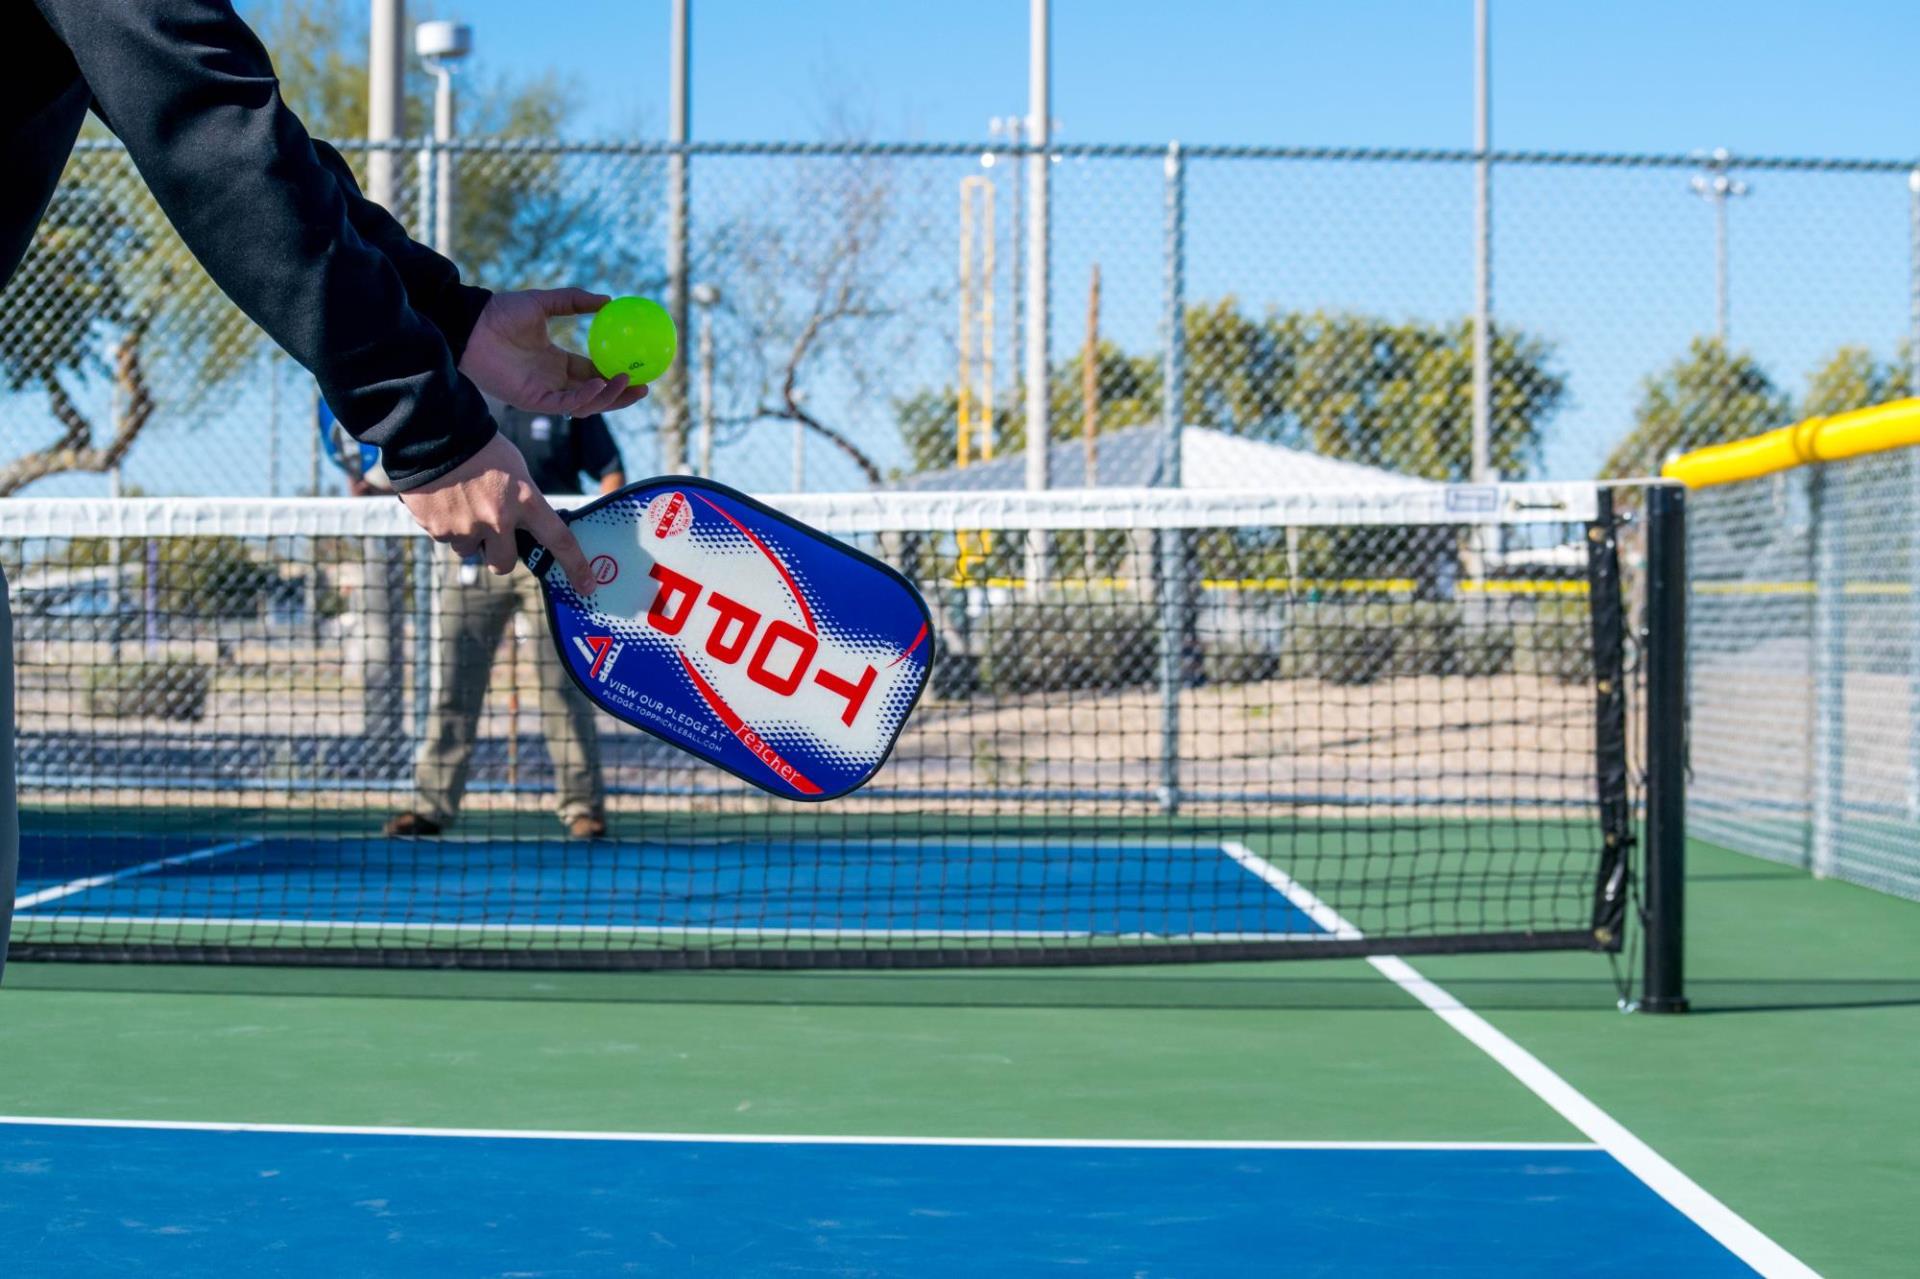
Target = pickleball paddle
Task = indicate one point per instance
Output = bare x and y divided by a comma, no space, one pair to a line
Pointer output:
739,634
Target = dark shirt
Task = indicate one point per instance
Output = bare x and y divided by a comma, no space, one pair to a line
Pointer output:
559,450
274,216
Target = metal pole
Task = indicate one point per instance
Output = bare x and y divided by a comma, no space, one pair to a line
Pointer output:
313,441
273,425
706,391
1829,664
1720,268
385,74
799,457
1665,646
1908,535
1482,462
1173,320
1171,566
1716,187
443,163
1039,292
423,183
673,431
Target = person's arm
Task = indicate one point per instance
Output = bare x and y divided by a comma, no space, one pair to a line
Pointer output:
433,284
190,91
596,453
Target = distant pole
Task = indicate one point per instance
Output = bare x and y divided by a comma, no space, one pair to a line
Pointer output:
673,443
706,297
313,441
1717,187
1090,383
1482,464
1909,533
1039,301
441,46
385,73
273,425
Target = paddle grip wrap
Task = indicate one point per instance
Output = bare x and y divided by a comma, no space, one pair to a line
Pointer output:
532,554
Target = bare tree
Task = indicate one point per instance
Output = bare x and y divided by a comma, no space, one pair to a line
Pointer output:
826,282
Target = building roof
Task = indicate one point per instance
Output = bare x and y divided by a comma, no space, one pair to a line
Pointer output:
1209,459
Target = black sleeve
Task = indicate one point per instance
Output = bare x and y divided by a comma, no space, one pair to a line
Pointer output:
594,448
432,282
190,91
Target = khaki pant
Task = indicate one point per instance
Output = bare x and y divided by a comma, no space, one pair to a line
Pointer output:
473,610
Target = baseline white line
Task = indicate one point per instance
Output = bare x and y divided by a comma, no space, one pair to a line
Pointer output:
73,886
784,1139
1655,1171
1312,907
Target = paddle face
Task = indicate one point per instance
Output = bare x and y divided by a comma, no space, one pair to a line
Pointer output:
739,635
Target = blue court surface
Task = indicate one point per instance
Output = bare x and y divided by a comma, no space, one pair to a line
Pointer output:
1011,887
118,1199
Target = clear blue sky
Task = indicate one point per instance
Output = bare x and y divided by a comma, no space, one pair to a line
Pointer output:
1612,267
1756,75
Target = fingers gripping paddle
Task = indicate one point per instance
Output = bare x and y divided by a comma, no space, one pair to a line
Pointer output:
739,635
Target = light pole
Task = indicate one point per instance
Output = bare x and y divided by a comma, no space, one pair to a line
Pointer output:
706,297
1482,460
440,45
1717,186
385,72
673,387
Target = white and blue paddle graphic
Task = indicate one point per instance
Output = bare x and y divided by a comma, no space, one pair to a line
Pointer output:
740,635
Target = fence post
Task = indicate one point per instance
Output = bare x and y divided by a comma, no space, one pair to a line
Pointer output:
1665,647
1174,584
1908,536
424,194
1829,661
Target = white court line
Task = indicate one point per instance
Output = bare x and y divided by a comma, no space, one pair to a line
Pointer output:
1734,1232
73,886
794,1139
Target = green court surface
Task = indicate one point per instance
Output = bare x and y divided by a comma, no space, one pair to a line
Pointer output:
1787,1094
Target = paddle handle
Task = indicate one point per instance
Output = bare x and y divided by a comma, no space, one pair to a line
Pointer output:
535,556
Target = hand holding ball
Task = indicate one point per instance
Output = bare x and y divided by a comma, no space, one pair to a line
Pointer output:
634,336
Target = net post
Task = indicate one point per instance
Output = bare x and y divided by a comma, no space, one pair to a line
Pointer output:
1665,649
1609,625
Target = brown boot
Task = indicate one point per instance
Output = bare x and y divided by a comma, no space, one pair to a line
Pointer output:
412,824
587,828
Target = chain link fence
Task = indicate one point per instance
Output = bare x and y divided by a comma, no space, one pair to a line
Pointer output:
1806,669
865,317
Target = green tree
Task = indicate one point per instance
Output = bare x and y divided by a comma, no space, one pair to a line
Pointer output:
108,290
1852,378
1397,395
1129,390
1400,395
1709,396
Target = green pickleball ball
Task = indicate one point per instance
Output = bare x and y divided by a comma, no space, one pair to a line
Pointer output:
634,336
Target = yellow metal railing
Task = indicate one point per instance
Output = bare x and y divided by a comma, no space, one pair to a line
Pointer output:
1818,439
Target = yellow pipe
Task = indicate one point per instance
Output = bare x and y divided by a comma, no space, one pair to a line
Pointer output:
1818,439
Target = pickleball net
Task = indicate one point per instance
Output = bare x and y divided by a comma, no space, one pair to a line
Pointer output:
1161,725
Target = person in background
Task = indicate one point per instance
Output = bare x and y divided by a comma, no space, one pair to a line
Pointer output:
473,615
400,346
